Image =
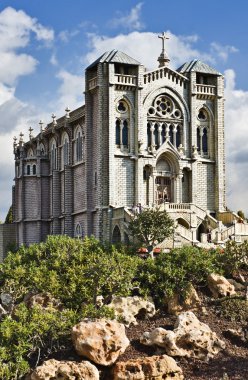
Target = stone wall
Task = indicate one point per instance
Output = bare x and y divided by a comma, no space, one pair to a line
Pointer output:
7,239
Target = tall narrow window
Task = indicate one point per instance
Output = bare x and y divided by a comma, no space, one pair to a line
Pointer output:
79,146
178,136
53,156
66,151
198,140
205,141
149,141
34,169
156,135
125,134
28,170
117,132
163,133
171,133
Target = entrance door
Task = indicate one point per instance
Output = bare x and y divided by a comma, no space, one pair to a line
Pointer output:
163,190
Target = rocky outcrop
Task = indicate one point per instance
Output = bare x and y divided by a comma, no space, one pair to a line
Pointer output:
44,300
155,367
101,341
65,370
191,302
130,308
220,286
190,338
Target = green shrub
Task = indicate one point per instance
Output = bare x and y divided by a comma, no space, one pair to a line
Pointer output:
233,257
234,309
72,270
173,272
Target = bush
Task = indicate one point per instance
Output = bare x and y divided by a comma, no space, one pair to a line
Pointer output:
234,309
173,272
233,257
73,271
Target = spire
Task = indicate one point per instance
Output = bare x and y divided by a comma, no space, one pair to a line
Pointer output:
163,59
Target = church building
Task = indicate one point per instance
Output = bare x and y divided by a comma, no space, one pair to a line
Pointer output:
148,138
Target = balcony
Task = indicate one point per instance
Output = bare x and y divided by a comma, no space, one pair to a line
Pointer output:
125,80
205,91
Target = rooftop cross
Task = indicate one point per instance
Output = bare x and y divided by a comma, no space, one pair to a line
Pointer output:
163,58
163,38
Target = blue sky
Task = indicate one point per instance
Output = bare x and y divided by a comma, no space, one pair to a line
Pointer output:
46,45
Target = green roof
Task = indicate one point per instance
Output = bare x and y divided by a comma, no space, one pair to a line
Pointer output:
115,56
197,66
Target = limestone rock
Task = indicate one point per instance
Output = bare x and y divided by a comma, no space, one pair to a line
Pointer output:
102,341
44,300
130,307
237,286
65,370
190,338
191,302
219,286
155,367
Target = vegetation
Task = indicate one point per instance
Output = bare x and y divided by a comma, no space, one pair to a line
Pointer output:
151,226
75,272
234,309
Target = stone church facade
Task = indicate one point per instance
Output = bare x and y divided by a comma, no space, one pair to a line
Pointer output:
154,138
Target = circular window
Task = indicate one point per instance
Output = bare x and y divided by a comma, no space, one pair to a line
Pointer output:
151,111
122,106
202,115
177,113
164,106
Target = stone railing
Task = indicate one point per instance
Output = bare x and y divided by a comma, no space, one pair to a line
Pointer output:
205,89
187,234
175,206
92,83
163,72
127,80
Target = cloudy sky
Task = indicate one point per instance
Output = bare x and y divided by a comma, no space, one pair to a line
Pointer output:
46,45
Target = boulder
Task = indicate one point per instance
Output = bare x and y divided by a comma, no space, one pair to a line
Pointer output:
237,285
65,370
191,302
44,300
190,338
220,286
130,307
101,341
155,367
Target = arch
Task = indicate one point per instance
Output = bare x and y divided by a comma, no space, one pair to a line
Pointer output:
30,152
116,236
34,169
127,100
200,230
78,137
205,141
125,133
171,157
183,223
53,154
65,150
28,169
117,132
78,231
42,149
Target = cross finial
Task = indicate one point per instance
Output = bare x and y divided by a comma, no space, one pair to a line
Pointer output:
163,38
30,133
163,58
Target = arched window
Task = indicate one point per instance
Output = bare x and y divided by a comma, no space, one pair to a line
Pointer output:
65,150
116,238
205,141
198,139
28,170
117,133
78,231
53,155
156,134
125,133
163,134
171,133
178,136
42,150
149,141
79,146
34,169
30,152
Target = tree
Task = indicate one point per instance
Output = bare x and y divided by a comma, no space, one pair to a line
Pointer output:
151,226
241,214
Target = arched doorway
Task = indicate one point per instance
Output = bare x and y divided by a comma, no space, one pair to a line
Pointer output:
164,187
116,237
183,223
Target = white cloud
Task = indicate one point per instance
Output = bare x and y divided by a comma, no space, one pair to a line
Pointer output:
66,35
53,60
130,21
222,51
236,123
70,91
146,47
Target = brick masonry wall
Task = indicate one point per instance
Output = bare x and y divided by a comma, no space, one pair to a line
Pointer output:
7,239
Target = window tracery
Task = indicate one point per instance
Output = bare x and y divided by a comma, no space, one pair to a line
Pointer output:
202,132
122,126
165,122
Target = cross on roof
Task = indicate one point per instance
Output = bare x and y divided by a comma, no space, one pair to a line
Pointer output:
163,38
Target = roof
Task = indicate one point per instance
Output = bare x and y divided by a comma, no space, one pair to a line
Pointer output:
115,56
197,66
